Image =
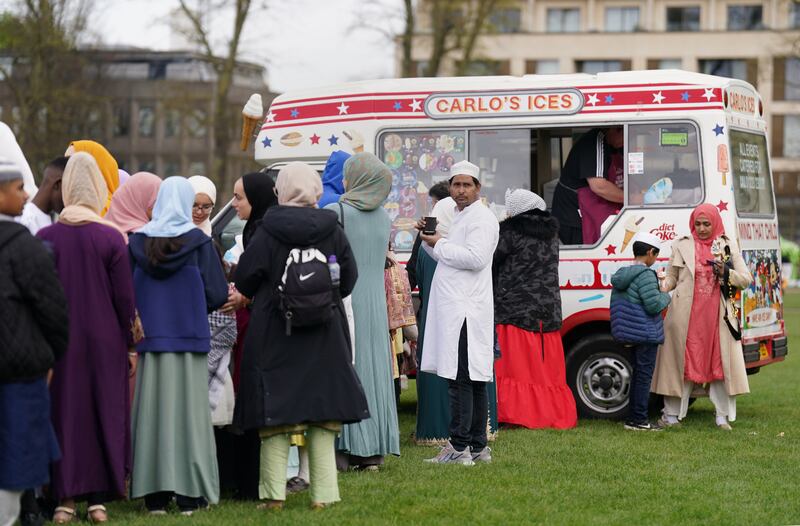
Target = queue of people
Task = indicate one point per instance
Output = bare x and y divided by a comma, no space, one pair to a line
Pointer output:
151,365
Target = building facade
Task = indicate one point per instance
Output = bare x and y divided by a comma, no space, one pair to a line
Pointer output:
156,110
752,40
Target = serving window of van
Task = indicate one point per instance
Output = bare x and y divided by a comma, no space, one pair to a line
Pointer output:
663,165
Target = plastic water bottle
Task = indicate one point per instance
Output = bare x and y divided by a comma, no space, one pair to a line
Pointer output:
335,271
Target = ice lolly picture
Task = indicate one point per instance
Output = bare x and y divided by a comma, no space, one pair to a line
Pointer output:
631,228
722,162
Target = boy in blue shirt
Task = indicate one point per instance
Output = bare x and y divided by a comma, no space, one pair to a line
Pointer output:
636,305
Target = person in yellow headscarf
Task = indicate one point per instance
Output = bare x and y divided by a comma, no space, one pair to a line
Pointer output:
105,161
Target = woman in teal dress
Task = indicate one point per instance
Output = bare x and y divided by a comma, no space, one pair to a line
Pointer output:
367,182
433,405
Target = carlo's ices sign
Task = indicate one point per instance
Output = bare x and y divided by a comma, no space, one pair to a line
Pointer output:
504,104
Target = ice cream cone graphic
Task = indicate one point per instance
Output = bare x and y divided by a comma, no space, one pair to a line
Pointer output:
251,115
631,228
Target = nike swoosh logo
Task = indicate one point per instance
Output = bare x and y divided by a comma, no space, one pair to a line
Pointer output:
305,277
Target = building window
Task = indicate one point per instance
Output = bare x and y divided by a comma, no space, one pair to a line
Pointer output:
599,66
147,121
791,87
172,123
197,168
94,124
791,135
197,123
735,69
622,19
545,67
683,18
506,20
745,17
480,68
794,15
171,167
665,63
148,165
122,119
563,20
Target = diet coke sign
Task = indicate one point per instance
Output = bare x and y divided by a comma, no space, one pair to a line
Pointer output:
666,232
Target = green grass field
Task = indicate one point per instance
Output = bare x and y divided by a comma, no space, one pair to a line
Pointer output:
595,474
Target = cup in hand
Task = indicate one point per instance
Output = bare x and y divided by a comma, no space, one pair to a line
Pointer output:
430,225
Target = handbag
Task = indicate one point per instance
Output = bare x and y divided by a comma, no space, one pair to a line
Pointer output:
400,306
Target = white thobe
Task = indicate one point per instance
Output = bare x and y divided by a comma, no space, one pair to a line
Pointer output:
462,290
34,219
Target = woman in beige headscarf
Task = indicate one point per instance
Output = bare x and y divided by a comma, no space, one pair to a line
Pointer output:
299,380
90,401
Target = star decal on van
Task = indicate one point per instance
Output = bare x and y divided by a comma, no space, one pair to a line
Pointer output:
611,249
722,206
658,98
416,105
709,94
333,140
315,139
592,99
718,130
267,142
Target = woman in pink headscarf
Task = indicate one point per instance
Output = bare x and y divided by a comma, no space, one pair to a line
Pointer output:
132,205
702,353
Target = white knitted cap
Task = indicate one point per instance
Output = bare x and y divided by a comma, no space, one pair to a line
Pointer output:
9,171
465,168
648,238
520,200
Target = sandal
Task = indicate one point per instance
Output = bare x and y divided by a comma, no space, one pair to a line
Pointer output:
92,511
321,505
63,515
296,485
270,505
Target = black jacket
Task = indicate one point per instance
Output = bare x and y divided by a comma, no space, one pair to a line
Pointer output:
306,377
34,324
525,271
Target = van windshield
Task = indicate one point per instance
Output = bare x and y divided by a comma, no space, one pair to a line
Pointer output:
752,184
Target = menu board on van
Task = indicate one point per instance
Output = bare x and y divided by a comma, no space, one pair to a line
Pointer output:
752,186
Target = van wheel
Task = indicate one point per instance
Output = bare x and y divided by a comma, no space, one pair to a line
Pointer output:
599,374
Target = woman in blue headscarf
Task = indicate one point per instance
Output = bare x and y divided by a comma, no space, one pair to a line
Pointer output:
178,279
333,178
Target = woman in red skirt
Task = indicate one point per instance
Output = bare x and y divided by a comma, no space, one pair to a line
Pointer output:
531,378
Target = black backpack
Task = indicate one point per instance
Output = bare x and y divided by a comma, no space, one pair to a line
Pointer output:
306,292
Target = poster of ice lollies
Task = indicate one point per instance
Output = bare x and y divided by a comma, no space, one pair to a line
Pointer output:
762,301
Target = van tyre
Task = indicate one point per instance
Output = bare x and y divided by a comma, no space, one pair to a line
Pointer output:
599,374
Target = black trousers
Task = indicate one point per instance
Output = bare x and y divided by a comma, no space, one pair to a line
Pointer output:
570,235
469,404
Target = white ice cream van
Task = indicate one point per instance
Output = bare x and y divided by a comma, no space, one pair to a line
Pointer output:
689,139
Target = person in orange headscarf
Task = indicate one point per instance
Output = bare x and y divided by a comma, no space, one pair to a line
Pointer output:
701,331
106,162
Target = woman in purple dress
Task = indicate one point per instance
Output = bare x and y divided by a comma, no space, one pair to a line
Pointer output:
89,390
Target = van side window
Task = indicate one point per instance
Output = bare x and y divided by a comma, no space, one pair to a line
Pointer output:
663,165
507,159
418,160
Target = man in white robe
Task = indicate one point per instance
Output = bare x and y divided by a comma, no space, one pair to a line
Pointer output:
459,329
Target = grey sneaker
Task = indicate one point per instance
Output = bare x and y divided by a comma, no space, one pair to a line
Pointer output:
449,455
484,455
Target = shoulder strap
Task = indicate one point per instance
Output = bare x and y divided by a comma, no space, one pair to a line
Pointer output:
341,215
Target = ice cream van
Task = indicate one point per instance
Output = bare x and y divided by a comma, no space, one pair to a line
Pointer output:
688,139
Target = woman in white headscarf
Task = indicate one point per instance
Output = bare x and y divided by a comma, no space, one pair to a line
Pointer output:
531,378
205,197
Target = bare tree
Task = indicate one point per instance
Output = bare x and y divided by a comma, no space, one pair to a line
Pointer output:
224,64
44,77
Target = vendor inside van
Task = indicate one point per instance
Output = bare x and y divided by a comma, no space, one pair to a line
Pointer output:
591,186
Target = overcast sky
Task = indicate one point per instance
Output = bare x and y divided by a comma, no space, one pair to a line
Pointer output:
303,43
